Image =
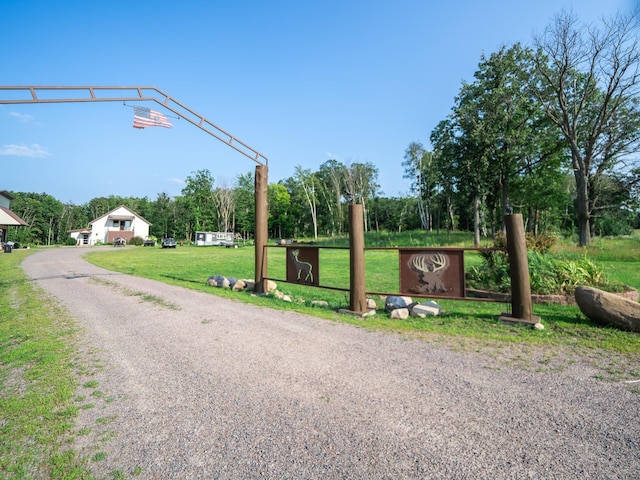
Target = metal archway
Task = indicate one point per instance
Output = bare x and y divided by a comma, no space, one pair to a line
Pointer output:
51,94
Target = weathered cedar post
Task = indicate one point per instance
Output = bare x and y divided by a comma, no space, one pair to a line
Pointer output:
358,296
261,226
521,307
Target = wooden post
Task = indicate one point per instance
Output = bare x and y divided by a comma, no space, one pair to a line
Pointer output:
358,296
521,306
261,226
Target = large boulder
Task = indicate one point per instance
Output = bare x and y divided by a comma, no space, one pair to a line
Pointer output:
394,302
608,308
425,309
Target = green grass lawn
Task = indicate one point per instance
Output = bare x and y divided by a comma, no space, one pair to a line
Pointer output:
38,379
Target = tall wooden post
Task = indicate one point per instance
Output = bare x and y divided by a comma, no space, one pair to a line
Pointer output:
358,296
261,226
521,306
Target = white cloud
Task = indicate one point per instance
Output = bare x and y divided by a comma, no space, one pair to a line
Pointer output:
179,181
33,151
23,117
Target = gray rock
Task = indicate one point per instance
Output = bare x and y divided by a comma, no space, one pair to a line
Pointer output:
394,302
608,309
216,280
425,309
399,313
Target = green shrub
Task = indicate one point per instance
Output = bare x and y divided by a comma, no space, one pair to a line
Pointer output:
136,241
548,275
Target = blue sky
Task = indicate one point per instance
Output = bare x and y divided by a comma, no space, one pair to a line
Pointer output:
301,82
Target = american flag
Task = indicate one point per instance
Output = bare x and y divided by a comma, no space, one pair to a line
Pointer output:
145,117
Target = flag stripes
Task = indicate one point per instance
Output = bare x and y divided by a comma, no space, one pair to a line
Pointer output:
145,117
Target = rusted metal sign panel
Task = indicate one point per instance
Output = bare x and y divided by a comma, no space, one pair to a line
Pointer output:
302,265
434,272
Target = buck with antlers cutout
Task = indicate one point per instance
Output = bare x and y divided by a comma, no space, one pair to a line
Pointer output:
430,268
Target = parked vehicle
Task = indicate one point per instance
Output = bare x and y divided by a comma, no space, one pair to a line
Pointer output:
119,242
149,243
169,242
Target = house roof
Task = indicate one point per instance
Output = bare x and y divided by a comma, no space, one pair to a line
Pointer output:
8,218
6,195
120,217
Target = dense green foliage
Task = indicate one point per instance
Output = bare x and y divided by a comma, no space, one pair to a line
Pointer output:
552,269
548,275
549,131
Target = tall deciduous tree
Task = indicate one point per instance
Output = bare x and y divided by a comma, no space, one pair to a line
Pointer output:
223,198
331,175
420,169
307,181
198,200
244,194
361,186
43,214
496,135
279,205
162,221
589,89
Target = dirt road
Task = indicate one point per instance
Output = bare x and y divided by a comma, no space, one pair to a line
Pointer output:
201,387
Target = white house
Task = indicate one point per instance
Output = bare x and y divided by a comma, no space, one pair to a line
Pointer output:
120,222
7,217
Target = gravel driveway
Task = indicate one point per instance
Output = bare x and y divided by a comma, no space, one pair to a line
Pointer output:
195,386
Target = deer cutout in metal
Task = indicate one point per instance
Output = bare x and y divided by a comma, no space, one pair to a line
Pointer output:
302,267
430,267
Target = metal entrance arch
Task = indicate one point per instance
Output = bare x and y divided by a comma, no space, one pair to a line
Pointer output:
56,94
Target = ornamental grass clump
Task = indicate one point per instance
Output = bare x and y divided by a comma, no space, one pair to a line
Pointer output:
548,275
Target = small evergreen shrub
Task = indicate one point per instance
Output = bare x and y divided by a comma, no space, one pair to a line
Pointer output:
137,241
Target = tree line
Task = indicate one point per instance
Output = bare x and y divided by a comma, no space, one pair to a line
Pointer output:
549,130
307,204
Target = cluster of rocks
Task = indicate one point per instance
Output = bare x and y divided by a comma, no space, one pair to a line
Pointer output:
399,308
230,282
402,308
